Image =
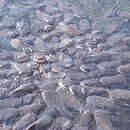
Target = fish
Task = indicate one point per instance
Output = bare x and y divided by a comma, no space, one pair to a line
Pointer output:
112,12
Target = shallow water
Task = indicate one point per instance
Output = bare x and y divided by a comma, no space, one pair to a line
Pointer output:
64,64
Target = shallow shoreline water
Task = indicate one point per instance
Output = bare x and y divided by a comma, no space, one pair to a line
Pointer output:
64,64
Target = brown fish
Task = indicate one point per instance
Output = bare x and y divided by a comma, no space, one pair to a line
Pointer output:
67,29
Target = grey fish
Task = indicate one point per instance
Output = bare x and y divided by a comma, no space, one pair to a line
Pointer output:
102,119
113,12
